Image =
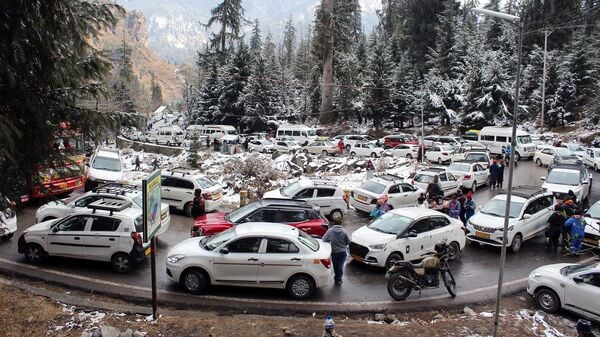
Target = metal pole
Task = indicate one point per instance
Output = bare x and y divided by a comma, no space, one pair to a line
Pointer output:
546,34
422,133
510,181
153,272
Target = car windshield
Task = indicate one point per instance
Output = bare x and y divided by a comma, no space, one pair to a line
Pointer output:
311,133
205,182
242,212
575,147
497,207
563,177
290,190
108,164
524,139
423,178
563,152
594,211
576,268
231,132
372,186
390,223
459,167
308,241
212,242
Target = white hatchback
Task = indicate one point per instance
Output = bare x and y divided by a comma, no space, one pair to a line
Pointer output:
406,234
399,193
178,186
8,218
439,154
252,255
366,150
450,184
470,174
105,166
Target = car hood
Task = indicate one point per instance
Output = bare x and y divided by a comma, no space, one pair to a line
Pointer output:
561,188
40,227
490,221
551,269
274,194
187,247
212,218
367,236
106,175
54,205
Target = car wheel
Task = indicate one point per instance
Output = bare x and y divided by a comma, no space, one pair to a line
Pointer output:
324,153
373,155
408,156
187,209
517,156
348,147
352,154
539,162
392,257
168,143
121,263
439,161
516,243
305,151
34,253
194,281
453,250
300,287
336,214
596,167
474,187
547,300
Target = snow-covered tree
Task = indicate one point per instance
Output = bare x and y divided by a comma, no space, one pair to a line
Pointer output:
378,82
235,79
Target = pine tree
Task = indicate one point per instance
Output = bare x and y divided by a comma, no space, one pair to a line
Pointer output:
256,45
235,79
378,84
193,157
156,96
208,104
229,14
289,43
258,98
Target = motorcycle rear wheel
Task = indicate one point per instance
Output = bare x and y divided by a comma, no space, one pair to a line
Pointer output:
398,288
449,282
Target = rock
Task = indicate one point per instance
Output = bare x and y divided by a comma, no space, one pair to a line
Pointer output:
96,333
390,318
438,317
109,331
287,332
85,334
138,334
469,312
400,323
126,333
29,319
380,317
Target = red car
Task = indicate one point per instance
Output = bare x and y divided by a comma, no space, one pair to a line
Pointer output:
392,141
297,213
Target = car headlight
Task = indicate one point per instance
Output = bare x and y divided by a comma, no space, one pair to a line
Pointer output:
510,228
175,258
378,246
534,275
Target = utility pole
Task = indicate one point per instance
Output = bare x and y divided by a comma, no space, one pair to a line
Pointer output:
326,113
546,34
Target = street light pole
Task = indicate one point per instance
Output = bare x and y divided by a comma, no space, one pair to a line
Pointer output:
422,133
516,20
546,34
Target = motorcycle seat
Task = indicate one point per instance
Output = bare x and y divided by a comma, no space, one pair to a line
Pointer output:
417,265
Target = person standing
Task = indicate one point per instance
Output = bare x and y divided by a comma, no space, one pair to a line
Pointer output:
340,240
493,174
584,328
155,164
507,154
246,141
370,169
460,197
500,180
198,208
469,206
576,226
434,189
454,208
341,147
422,201
137,162
555,225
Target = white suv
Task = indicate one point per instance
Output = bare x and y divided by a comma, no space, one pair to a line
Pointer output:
400,194
321,192
58,208
406,234
178,185
105,166
110,231
450,184
529,212
563,178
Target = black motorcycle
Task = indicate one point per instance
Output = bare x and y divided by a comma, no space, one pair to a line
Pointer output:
403,277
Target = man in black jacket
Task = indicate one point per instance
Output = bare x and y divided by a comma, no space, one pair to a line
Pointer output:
556,222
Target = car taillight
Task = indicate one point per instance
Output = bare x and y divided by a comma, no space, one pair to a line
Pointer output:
326,263
444,153
467,177
207,196
137,237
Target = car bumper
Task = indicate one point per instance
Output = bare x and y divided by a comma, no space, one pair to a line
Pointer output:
212,205
173,271
361,206
366,255
324,279
9,228
485,238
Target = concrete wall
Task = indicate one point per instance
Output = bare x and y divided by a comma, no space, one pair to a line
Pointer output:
123,143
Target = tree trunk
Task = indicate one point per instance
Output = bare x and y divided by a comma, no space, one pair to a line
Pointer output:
326,114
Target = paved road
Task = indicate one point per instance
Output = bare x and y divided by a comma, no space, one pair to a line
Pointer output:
477,268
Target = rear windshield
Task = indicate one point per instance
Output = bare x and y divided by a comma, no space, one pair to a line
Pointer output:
308,241
423,178
372,186
108,164
205,182
459,167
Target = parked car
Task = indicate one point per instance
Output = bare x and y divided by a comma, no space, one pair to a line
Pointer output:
406,234
551,155
366,150
591,158
439,154
565,177
261,145
8,218
399,192
569,286
262,255
178,186
450,184
530,208
481,157
287,146
471,175
592,228
392,141
105,166
408,151
112,233
431,140
575,149
133,194
452,141
352,140
297,213
318,191
321,147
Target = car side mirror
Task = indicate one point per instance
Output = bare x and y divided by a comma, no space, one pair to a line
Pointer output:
543,178
526,216
55,229
577,279
224,251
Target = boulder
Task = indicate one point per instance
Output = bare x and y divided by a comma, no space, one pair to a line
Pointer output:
109,331
469,312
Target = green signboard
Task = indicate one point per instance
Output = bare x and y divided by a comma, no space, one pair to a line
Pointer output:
152,204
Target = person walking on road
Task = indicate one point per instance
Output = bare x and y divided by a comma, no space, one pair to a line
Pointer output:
460,197
469,206
198,204
493,174
507,154
340,240
137,162
500,176
341,147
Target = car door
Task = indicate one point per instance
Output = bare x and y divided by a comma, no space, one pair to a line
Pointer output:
238,264
102,240
481,174
416,247
583,295
547,156
280,260
167,185
324,199
533,218
66,238
433,154
182,192
445,183
439,230
307,193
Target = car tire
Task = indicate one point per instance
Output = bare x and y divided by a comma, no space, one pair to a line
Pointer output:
439,161
539,162
391,257
34,253
348,147
300,287
168,143
409,157
336,214
517,243
194,281
121,263
352,154
373,155
187,209
547,300
453,251
324,153
517,156
474,187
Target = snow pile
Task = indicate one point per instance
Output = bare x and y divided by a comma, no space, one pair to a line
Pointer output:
79,319
539,325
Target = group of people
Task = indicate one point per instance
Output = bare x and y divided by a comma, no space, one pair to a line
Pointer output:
567,223
460,206
496,174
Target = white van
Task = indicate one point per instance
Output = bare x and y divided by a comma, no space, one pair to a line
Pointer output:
203,131
496,138
299,133
169,135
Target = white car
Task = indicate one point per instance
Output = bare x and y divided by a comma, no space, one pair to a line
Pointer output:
575,148
321,192
592,228
105,166
573,287
470,174
546,156
59,209
287,146
252,255
351,140
406,234
366,150
261,145
321,147
563,178
178,186
439,154
400,194
449,183
407,151
112,233
8,218
529,212
481,157
591,158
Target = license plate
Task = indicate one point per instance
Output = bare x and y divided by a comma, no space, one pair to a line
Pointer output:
163,216
217,196
362,198
148,251
482,235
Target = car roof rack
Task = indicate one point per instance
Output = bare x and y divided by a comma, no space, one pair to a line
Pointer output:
525,191
108,204
182,170
116,189
388,177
